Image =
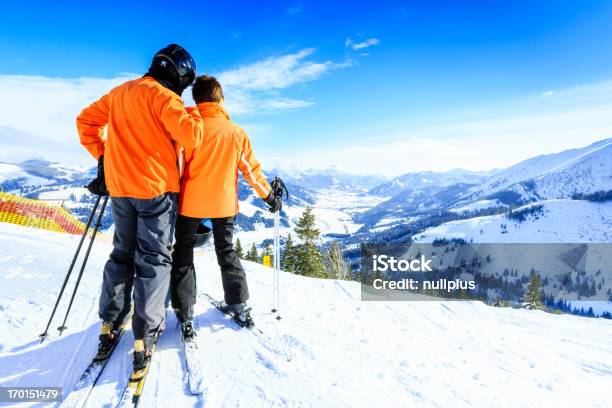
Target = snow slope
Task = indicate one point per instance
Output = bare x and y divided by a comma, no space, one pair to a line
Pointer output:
477,205
347,353
584,170
560,221
10,171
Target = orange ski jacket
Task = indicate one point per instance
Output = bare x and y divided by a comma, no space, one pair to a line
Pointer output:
143,119
209,186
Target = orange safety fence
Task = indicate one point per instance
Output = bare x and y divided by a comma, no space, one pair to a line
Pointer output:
38,214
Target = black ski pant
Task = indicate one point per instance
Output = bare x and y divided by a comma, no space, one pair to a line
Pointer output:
183,280
140,260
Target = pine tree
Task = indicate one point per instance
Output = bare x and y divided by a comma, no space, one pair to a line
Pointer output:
288,255
335,263
533,295
252,254
308,257
239,250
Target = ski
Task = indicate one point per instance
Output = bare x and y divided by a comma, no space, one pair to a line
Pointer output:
88,380
134,387
195,371
256,332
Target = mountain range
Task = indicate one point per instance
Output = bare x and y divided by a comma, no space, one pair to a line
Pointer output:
358,208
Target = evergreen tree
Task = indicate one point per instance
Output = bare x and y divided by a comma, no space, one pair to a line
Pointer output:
308,257
288,255
252,254
533,295
335,263
239,250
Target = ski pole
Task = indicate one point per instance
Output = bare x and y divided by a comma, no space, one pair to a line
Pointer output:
278,190
78,281
277,257
274,302
277,265
45,334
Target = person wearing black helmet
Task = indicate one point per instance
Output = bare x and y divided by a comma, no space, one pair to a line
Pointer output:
174,68
137,161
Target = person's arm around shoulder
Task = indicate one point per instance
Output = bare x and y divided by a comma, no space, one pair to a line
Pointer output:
90,125
184,156
185,126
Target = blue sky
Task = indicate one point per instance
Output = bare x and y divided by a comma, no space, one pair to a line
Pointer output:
322,83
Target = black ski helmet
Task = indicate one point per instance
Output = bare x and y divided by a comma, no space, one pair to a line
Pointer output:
173,67
202,235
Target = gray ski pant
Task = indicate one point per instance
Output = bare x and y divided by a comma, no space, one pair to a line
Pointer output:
141,259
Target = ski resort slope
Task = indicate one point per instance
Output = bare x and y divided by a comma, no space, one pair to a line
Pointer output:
346,353
558,221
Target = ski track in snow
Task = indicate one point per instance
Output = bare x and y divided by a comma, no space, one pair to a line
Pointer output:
347,353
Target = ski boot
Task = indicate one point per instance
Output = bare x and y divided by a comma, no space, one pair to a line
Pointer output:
109,335
185,318
188,332
143,350
240,312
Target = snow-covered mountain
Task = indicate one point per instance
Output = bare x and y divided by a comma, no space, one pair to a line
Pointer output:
333,201
419,181
346,353
329,179
564,220
559,175
410,205
545,222
32,175
13,177
358,208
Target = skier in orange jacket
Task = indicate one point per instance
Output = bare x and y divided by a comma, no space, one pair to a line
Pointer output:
209,189
137,162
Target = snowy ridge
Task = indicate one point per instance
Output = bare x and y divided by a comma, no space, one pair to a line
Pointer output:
12,172
348,353
478,205
595,147
421,180
559,175
331,178
423,198
573,221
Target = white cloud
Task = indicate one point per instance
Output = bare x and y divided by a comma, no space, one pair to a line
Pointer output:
45,108
37,115
48,106
348,43
250,88
275,72
548,93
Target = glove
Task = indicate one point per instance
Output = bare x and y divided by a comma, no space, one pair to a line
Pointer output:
274,202
98,185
